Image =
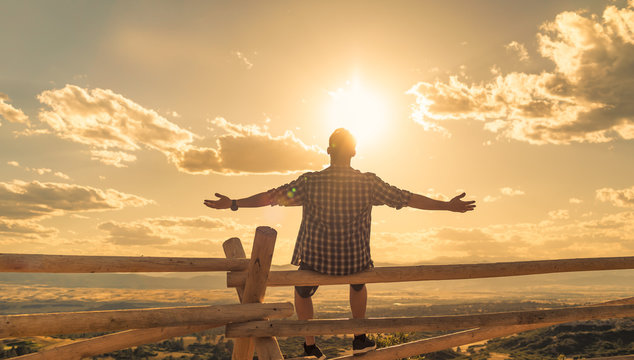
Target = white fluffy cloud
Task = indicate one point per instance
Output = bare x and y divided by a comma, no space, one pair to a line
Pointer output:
10,113
621,198
587,98
114,127
24,200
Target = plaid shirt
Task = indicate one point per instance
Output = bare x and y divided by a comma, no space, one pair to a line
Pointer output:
334,237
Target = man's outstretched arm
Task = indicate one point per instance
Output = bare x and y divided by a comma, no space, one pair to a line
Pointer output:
223,202
456,204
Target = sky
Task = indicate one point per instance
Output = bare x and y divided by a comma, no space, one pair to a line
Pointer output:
118,118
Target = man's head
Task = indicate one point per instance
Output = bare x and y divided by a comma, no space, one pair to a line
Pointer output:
341,145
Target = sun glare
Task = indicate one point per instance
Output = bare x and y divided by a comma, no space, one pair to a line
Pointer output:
359,110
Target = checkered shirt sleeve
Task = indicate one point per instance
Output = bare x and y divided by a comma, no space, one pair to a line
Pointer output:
290,194
386,194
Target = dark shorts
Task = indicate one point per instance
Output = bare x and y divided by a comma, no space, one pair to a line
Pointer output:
308,291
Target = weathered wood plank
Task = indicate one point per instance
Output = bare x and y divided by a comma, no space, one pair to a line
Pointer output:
112,320
424,323
105,264
112,342
440,272
233,249
268,348
254,291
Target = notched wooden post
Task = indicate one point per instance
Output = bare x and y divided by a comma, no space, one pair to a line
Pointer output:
255,289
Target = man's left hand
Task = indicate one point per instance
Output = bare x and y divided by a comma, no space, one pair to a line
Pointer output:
457,205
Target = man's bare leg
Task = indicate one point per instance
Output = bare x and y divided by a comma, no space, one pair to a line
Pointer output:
304,309
358,302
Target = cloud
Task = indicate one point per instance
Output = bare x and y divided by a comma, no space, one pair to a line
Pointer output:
25,200
133,234
621,198
518,49
505,191
247,63
587,98
39,171
163,230
575,201
114,127
24,229
560,214
250,149
10,113
105,120
608,235
114,158
511,192
200,222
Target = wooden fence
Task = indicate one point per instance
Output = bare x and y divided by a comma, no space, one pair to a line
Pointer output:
252,322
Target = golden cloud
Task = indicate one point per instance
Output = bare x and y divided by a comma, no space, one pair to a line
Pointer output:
607,235
621,198
24,200
114,127
24,229
163,230
586,99
10,113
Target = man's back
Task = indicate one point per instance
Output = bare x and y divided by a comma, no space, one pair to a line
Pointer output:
334,237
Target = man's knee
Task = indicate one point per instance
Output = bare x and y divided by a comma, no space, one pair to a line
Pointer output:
306,291
357,287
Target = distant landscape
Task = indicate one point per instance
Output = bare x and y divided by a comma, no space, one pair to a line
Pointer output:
32,293
37,293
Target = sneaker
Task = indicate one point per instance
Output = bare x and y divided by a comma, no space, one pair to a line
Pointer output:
313,350
361,345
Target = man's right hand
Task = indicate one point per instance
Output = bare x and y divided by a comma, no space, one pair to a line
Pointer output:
223,202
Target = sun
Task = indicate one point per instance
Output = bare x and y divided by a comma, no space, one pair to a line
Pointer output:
358,109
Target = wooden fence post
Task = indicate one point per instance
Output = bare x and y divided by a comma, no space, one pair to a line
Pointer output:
255,289
233,249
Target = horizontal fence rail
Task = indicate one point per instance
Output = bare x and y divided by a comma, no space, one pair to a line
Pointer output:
35,263
424,323
439,272
111,320
112,342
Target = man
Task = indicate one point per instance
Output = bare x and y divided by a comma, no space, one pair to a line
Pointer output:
334,236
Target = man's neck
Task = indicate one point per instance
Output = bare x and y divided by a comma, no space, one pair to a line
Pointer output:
340,162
